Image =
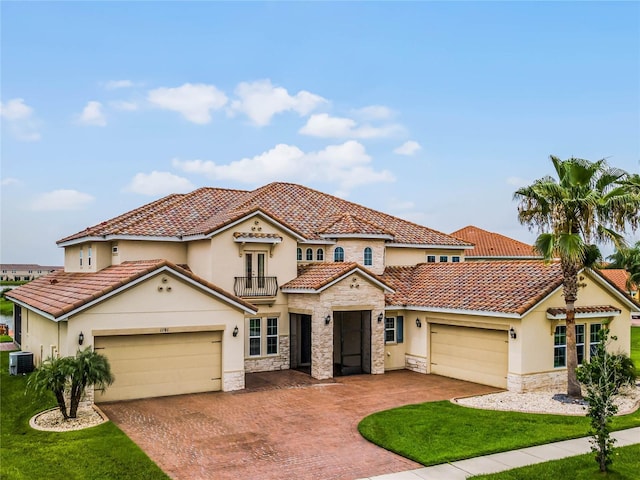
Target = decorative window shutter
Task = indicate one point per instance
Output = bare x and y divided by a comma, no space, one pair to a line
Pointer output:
400,329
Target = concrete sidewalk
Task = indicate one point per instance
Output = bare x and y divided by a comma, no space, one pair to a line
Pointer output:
499,462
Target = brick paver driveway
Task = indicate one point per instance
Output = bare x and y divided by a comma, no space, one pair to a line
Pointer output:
284,426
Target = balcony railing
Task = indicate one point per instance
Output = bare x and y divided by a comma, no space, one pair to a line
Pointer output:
255,286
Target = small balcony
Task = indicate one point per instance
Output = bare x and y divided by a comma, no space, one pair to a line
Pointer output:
255,287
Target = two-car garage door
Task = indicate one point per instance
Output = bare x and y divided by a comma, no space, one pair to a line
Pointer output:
474,354
161,364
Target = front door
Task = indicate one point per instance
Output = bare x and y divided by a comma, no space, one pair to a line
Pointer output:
300,338
352,332
254,263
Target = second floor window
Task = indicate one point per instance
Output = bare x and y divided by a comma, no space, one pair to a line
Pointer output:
89,256
368,256
444,258
80,257
320,254
455,259
309,254
299,254
431,259
338,254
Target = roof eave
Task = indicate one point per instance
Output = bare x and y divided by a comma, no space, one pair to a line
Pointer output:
107,238
431,246
457,311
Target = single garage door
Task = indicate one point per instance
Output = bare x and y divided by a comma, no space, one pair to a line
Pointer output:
474,354
161,364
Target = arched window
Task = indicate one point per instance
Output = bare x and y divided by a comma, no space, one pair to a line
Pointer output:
368,256
299,254
320,254
309,254
338,254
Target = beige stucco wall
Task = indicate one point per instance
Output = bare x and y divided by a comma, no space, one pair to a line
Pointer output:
199,259
350,294
412,353
400,256
131,250
39,336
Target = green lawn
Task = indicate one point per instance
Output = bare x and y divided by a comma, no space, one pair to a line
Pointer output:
102,452
5,339
438,432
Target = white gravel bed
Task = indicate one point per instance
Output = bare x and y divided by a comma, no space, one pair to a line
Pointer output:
544,402
52,420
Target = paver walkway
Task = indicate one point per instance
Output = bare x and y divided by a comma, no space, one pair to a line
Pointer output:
499,462
285,426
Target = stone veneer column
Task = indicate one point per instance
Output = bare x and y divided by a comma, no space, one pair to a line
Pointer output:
321,345
233,381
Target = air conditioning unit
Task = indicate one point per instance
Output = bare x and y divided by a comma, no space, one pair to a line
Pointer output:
20,362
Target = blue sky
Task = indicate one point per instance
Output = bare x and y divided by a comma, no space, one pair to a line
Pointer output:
434,112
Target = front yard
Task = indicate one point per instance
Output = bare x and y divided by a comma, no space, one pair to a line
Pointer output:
103,452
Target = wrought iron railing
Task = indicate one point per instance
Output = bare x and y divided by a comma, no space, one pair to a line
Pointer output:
255,286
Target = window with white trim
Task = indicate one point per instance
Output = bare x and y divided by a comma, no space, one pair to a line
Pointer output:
560,346
320,254
272,336
455,259
368,256
299,254
80,257
89,256
394,329
309,254
580,342
594,337
338,254
444,258
431,259
255,339
560,343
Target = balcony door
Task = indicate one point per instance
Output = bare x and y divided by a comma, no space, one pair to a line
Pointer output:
254,264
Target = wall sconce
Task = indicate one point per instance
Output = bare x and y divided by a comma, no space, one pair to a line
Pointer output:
380,317
81,338
512,333
235,331
418,323
327,320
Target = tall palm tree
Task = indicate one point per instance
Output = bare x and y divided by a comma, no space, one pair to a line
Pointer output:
589,203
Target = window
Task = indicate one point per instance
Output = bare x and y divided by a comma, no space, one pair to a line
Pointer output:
320,254
89,256
594,337
560,346
309,254
368,256
431,259
455,259
80,257
444,258
114,250
394,329
272,336
254,337
299,254
580,343
338,254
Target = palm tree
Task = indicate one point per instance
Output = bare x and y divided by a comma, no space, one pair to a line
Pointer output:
589,203
88,368
52,375
629,260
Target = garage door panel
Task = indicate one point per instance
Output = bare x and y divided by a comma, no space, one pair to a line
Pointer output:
162,364
472,354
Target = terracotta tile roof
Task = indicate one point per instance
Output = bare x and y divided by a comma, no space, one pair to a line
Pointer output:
349,224
62,292
499,286
301,209
596,309
617,276
314,277
489,244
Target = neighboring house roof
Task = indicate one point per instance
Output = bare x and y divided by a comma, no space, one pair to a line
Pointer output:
493,245
28,266
619,277
307,212
62,294
498,287
317,277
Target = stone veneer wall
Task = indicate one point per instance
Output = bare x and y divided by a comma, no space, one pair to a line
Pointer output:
415,363
354,252
233,381
271,362
556,380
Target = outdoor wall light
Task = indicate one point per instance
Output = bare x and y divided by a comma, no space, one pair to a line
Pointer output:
327,320
512,333
418,323
380,317
81,338
235,331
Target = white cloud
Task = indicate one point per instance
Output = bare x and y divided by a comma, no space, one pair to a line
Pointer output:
20,120
193,101
518,182
115,84
159,183
61,200
408,148
124,105
346,165
261,100
92,115
374,112
8,181
325,126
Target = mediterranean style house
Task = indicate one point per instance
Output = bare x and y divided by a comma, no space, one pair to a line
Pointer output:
24,272
191,292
